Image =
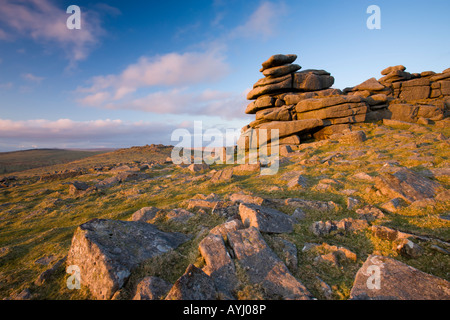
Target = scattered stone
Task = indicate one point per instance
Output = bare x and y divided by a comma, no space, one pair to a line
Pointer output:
323,287
219,265
409,249
370,213
386,233
222,175
197,167
392,205
108,250
439,249
297,182
288,252
145,214
245,198
227,227
398,281
407,185
352,203
47,274
151,288
265,219
263,267
194,284
247,168
312,204
179,215
77,188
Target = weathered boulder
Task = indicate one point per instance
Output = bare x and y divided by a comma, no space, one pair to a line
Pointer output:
289,128
179,215
145,214
265,219
194,284
275,114
107,251
339,111
261,103
372,85
397,281
279,87
77,188
281,71
219,265
312,80
315,104
197,167
311,204
278,60
264,267
407,185
245,198
151,288
296,97
393,68
224,175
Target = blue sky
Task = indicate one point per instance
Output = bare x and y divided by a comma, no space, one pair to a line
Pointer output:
137,70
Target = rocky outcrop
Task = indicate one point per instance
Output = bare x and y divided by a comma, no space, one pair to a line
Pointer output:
301,104
397,281
264,267
107,251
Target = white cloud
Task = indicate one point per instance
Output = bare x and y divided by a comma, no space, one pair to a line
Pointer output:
45,22
227,105
32,78
262,22
172,69
6,86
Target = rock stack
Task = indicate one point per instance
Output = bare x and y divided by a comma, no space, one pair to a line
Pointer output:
301,104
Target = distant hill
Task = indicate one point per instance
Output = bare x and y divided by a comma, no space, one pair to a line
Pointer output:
28,159
43,161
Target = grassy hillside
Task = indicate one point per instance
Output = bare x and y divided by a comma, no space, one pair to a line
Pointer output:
38,218
29,159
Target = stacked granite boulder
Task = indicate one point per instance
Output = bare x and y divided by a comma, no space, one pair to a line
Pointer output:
299,103
302,104
404,96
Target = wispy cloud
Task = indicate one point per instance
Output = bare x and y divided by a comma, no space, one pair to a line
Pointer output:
45,23
227,105
262,22
32,78
172,69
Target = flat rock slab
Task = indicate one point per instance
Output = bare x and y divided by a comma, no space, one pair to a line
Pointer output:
219,265
265,219
311,204
407,185
151,288
278,60
107,251
264,267
398,281
194,284
288,128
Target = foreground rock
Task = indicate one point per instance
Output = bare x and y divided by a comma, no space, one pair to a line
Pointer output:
264,267
398,281
107,251
194,284
151,288
219,265
407,185
265,219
